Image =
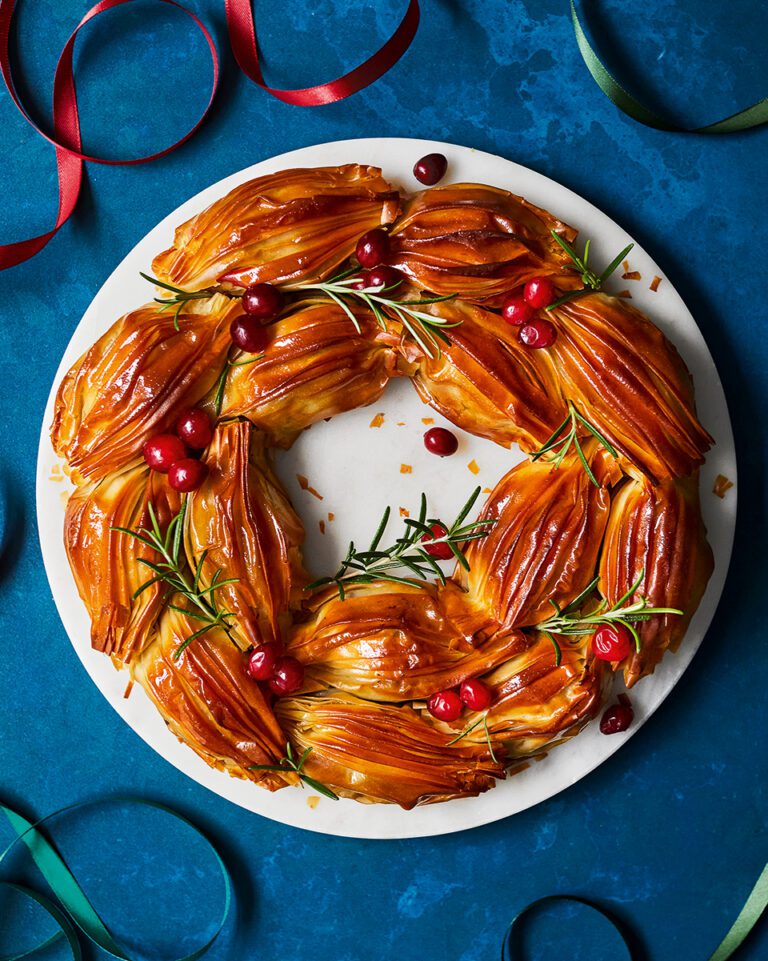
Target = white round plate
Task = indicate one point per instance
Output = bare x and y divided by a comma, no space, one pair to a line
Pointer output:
357,469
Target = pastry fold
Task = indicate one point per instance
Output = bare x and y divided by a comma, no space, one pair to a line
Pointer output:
133,382
396,642
315,365
478,242
544,546
486,382
244,524
380,752
658,530
538,703
289,226
106,563
631,383
209,702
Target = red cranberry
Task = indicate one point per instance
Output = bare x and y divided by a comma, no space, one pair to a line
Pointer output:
430,169
261,663
263,301
612,642
441,551
445,705
539,292
248,334
372,248
194,428
187,474
385,277
539,333
475,694
440,441
360,283
617,717
516,311
287,676
163,450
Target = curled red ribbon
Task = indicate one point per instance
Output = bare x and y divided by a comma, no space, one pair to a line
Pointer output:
242,37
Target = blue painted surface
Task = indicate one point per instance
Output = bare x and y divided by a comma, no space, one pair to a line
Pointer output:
671,831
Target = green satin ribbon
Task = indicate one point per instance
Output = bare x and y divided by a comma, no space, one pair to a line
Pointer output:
753,116
748,917
75,910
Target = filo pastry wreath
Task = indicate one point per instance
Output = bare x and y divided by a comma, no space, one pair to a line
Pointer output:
300,295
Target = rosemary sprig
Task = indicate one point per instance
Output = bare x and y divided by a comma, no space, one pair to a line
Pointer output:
221,383
178,296
425,329
565,437
569,623
377,563
171,570
468,730
289,763
589,278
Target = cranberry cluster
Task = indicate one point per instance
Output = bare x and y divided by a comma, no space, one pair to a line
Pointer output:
448,705
169,453
519,310
283,673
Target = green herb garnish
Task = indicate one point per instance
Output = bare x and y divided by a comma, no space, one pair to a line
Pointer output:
221,383
564,438
171,570
589,278
567,622
376,563
178,296
289,763
468,730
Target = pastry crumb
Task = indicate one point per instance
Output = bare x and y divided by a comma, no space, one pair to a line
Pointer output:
401,423
473,466
631,275
404,512
427,420
625,266
331,516
321,525
625,294
378,420
406,469
722,485
128,690
304,485
313,801
655,283
486,490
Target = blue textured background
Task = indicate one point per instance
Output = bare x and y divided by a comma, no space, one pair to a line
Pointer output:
671,831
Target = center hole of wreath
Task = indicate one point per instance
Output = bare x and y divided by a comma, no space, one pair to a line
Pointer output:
341,474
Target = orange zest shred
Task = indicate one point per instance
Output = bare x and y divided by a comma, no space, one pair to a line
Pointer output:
378,420
473,466
631,275
404,512
655,283
427,420
406,469
722,485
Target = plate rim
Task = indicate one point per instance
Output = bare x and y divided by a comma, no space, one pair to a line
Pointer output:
399,827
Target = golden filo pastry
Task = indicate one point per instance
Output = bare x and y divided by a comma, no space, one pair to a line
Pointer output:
240,521
478,242
315,364
655,534
205,697
106,562
399,642
383,752
292,225
605,504
134,381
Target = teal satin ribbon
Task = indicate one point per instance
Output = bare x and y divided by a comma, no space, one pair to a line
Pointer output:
753,116
74,910
748,917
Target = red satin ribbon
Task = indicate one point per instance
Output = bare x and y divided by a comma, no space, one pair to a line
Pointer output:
242,36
